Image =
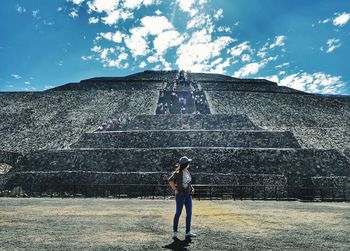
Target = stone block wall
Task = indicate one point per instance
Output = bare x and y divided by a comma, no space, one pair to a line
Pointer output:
295,164
52,120
209,77
316,121
9,158
332,187
192,122
110,84
182,138
247,86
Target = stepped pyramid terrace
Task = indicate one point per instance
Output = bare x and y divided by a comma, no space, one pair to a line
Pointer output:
258,138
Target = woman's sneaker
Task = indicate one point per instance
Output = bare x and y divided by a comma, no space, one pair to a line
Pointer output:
174,235
189,234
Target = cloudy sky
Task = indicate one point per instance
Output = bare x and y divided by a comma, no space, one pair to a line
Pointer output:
303,44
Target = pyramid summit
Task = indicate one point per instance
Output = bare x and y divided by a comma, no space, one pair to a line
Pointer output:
133,129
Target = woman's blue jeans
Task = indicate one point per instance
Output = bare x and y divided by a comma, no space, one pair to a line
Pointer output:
183,198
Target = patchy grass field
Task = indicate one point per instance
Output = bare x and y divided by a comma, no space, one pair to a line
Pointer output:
134,224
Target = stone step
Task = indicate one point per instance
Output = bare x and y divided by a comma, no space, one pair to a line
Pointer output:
186,138
192,122
247,86
294,163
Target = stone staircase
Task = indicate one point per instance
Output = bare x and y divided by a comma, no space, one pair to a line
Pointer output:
226,149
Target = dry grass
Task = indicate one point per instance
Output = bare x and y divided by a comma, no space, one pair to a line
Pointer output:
102,224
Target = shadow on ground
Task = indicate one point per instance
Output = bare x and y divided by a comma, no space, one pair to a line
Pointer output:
178,244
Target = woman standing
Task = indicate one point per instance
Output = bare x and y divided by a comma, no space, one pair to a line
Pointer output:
180,182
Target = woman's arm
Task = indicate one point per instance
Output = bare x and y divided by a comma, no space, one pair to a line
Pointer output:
173,186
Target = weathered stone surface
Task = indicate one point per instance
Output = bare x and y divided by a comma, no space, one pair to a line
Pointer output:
110,84
192,122
210,77
52,120
247,86
332,187
293,163
9,158
184,138
316,121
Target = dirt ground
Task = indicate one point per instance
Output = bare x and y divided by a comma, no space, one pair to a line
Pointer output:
135,224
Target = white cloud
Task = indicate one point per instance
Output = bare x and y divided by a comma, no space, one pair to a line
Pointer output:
113,17
118,63
35,14
198,52
250,69
333,44
219,14
74,13
133,4
189,6
166,40
103,5
137,42
16,76
237,50
262,53
156,24
93,20
325,21
246,58
156,58
116,37
104,53
221,68
96,48
136,4
49,22
319,82
78,2
116,10
341,19
87,58
282,65
279,41
224,29
143,64
27,83
20,9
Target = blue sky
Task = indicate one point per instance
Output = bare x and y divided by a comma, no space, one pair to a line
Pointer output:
303,44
